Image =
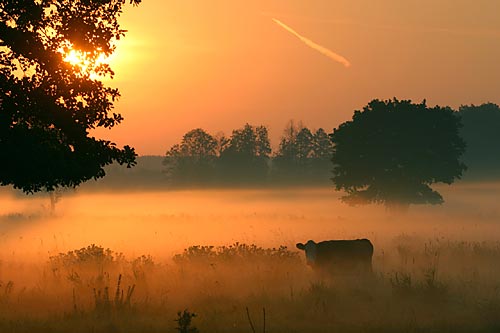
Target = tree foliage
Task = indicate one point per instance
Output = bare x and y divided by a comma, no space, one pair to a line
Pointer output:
392,151
47,105
302,154
481,132
245,159
193,160
201,158
322,145
249,142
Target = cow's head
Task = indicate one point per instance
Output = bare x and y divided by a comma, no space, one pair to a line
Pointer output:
310,249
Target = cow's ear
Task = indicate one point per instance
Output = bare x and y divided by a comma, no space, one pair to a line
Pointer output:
300,246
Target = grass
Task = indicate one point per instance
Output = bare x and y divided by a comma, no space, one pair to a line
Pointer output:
433,285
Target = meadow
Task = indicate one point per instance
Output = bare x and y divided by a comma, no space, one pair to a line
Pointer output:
134,261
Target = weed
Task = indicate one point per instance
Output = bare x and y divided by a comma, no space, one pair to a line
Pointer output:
184,322
120,303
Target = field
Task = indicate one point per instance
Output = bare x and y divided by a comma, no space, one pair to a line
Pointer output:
229,257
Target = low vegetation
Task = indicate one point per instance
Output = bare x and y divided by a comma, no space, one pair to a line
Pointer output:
436,285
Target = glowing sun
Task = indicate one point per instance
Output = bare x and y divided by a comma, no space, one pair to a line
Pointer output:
83,63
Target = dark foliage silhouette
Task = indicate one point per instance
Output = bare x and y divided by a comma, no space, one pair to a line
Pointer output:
246,156
47,105
185,322
193,160
202,159
322,153
295,150
481,132
392,151
303,156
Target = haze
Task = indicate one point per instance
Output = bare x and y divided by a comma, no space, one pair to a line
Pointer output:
234,109
162,222
222,63
425,260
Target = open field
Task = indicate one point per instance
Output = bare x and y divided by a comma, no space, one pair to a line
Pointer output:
436,268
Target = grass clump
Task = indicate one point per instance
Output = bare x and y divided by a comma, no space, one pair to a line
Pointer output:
92,255
236,252
184,322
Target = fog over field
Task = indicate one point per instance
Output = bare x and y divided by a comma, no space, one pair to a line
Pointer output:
435,266
162,223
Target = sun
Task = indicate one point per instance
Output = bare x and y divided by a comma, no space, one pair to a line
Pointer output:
83,63
78,58
75,58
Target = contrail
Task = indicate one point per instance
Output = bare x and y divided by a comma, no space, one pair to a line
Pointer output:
329,53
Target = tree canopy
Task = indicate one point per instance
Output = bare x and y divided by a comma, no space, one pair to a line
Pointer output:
303,155
481,132
47,105
202,159
193,160
392,151
245,158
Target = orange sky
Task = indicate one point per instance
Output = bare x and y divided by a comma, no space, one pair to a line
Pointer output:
221,63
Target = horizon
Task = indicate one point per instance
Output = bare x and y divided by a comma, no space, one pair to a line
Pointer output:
218,66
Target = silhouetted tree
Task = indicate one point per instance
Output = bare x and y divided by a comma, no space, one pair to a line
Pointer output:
222,142
481,132
303,156
322,145
193,160
263,146
48,106
288,144
392,151
244,141
245,159
322,152
305,145
286,160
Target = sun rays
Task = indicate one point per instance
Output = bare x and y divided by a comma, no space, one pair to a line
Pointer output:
83,63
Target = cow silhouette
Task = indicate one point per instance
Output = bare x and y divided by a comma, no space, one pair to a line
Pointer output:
339,257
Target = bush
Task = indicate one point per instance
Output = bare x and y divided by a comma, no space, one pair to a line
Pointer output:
235,253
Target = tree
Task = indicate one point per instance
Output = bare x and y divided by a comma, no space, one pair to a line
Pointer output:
262,144
305,145
245,159
288,148
48,105
222,142
392,151
286,158
193,160
244,141
322,151
199,144
481,132
322,146
303,156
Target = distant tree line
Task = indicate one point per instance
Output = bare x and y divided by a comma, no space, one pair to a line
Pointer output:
390,152
246,157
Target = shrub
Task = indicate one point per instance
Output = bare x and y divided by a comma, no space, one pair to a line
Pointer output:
235,252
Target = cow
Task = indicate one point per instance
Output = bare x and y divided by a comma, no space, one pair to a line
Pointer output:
339,257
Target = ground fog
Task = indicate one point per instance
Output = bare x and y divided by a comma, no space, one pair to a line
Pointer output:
129,261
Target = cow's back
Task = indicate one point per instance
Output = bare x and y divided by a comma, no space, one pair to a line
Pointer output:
344,254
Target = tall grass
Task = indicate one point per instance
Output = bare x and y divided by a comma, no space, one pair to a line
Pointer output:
427,285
